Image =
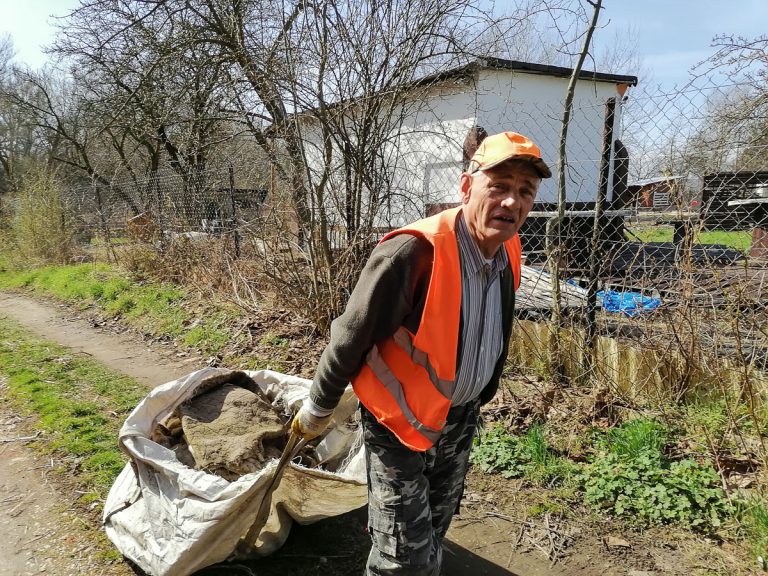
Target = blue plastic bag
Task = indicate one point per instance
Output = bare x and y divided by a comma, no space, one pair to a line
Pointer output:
630,303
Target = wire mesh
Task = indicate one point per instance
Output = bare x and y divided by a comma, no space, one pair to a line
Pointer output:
666,210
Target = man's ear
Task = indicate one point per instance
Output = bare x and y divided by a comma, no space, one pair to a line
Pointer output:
465,187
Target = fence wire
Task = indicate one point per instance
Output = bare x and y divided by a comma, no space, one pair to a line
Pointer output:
667,211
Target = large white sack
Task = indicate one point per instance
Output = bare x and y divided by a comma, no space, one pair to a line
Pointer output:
173,520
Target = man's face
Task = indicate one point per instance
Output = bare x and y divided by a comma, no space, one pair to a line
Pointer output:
497,202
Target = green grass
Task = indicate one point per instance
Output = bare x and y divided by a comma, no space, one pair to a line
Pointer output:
154,308
652,233
78,404
739,240
526,456
633,438
207,337
754,520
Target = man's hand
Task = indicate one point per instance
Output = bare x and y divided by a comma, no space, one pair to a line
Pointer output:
307,425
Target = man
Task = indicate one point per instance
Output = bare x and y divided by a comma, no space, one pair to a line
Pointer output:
423,340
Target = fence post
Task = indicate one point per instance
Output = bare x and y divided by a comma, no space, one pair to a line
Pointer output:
595,256
235,234
155,184
103,221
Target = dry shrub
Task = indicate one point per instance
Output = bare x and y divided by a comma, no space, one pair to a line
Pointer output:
7,237
202,262
41,225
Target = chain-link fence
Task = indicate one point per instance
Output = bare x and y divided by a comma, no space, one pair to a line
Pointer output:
167,205
662,253
679,254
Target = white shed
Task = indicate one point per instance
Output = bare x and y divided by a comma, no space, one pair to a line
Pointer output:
499,95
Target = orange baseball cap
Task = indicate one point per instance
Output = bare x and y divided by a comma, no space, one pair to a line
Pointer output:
505,146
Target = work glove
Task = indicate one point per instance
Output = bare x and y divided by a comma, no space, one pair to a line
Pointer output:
308,425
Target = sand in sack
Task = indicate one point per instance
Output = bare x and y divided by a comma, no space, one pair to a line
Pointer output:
232,429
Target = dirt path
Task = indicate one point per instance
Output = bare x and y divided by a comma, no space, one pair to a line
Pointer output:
34,534
38,532
123,352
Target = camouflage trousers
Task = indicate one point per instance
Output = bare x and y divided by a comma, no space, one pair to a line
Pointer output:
412,496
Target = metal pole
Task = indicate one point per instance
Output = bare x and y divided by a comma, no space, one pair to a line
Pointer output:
595,257
235,235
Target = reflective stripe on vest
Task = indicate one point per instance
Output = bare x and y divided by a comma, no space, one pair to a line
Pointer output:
401,383
393,386
403,339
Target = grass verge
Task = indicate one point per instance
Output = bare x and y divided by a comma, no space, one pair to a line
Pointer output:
155,309
78,405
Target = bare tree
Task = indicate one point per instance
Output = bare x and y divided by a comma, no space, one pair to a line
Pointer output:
732,133
159,99
17,135
554,226
323,89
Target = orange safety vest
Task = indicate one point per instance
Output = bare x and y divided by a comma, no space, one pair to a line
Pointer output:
407,380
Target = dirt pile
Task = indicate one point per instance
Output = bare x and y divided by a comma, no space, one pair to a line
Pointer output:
229,428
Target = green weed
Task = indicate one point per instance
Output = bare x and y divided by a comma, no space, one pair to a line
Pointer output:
632,478
753,514
635,437
528,456
544,508
496,451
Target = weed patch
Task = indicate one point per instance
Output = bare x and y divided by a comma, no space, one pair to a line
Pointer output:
753,514
632,478
528,456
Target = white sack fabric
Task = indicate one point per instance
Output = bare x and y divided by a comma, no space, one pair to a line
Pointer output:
172,520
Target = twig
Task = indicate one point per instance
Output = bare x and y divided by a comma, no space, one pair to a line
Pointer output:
11,512
20,438
540,548
38,537
551,555
507,518
516,543
519,536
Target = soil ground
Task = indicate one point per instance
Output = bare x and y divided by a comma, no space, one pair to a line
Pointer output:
491,537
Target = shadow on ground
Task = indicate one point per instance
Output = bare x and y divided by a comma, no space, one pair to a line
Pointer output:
339,547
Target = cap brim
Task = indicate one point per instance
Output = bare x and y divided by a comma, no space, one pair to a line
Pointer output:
539,165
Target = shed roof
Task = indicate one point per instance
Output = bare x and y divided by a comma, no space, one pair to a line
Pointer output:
486,63
655,180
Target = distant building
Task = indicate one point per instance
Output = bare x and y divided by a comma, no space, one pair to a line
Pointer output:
735,200
665,193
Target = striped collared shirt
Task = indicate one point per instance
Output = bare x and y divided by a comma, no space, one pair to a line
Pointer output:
481,338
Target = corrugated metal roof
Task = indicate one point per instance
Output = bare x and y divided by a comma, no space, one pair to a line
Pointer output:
655,180
535,292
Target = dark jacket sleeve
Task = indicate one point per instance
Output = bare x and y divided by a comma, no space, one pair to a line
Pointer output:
389,294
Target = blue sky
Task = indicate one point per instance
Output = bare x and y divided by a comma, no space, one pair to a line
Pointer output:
672,35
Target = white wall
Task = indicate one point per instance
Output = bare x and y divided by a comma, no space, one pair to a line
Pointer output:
426,152
532,104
